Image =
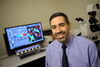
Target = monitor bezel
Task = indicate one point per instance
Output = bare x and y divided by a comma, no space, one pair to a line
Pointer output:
12,51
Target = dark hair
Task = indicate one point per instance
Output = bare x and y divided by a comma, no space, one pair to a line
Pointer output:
59,14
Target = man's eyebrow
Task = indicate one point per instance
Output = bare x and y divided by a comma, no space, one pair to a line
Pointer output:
61,23
53,25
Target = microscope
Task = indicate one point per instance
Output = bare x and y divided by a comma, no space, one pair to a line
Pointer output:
91,27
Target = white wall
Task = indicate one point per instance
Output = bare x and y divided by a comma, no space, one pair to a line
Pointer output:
18,12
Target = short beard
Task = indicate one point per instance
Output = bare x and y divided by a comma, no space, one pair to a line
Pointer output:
63,32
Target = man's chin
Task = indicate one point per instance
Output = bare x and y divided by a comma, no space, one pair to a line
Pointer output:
61,40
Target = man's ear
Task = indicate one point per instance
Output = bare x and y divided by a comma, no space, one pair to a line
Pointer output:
69,25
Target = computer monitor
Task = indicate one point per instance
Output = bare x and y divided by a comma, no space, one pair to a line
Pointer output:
21,36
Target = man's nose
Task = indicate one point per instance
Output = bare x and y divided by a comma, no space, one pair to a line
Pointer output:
58,29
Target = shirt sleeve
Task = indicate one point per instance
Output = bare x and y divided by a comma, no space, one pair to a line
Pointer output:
94,60
46,64
47,58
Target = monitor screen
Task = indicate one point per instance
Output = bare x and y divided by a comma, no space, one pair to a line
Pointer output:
23,35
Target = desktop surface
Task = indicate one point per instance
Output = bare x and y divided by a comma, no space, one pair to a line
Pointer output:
15,61
40,62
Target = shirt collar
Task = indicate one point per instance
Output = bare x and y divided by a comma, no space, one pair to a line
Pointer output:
69,41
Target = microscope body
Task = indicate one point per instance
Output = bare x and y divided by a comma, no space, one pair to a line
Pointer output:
91,27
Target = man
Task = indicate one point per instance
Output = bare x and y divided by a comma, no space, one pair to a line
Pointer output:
80,51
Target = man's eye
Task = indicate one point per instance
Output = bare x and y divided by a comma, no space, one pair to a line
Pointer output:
53,27
62,24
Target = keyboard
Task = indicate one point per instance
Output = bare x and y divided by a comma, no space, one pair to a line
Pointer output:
29,51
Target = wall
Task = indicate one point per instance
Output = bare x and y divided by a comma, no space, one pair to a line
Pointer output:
18,12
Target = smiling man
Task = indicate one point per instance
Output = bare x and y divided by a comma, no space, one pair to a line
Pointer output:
68,50
60,28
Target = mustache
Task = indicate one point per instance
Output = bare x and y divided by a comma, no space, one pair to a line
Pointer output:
61,32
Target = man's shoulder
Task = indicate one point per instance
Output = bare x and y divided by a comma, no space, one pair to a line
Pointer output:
83,40
53,44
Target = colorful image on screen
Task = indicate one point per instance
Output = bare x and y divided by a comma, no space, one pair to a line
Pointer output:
24,35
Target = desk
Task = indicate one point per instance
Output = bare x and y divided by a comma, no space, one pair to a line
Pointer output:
14,60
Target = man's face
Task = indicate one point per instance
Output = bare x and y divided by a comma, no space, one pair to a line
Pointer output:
60,28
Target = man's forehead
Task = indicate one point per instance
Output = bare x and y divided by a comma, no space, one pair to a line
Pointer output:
58,23
57,20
